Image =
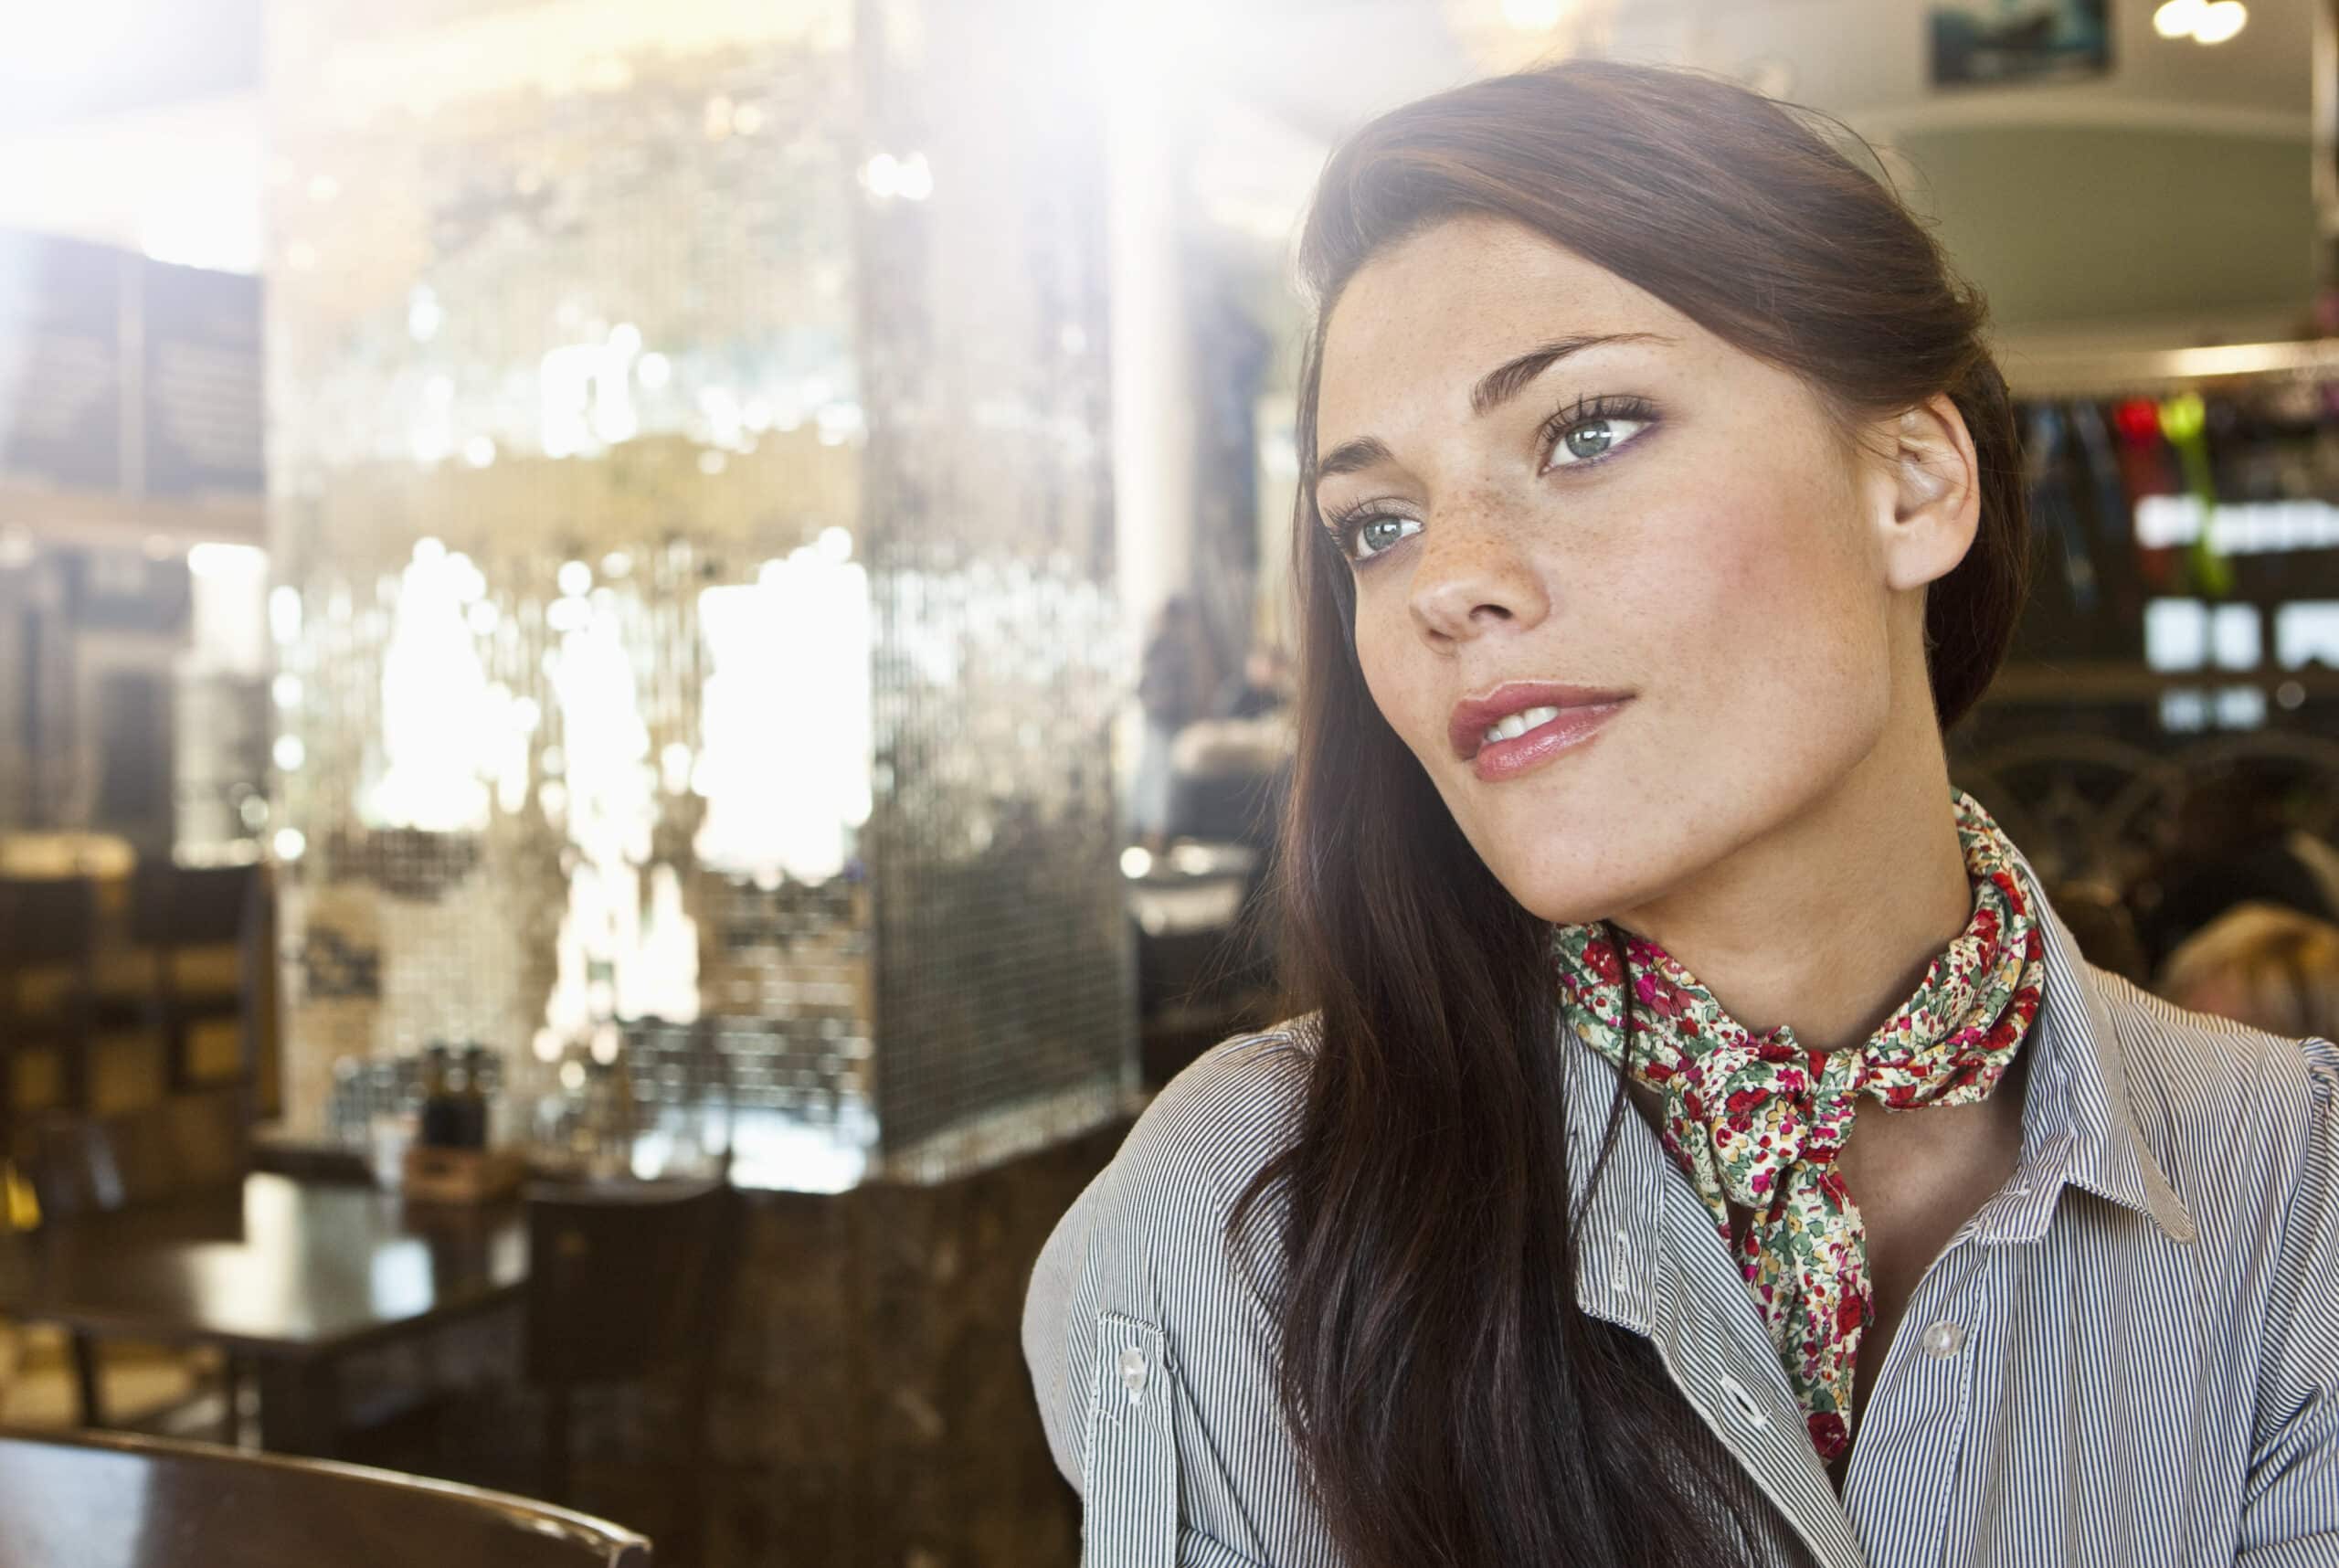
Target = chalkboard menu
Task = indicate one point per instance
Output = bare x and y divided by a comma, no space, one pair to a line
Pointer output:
123,375
200,394
61,393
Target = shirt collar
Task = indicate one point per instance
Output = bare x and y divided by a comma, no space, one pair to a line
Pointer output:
2078,1120
1618,1237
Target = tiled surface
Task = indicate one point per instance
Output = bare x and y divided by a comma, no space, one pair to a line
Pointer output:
690,507
1002,974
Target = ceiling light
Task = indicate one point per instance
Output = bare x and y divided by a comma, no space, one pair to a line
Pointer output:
2221,21
2203,21
2177,18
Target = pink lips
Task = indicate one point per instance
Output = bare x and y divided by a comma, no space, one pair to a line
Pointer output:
1583,710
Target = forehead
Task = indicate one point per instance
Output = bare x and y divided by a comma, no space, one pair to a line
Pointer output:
1427,317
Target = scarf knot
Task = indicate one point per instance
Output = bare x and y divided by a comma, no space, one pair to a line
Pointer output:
1759,1121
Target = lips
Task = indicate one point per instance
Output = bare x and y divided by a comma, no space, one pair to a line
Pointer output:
1521,724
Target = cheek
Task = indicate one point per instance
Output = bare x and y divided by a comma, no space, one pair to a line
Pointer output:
1389,657
1770,614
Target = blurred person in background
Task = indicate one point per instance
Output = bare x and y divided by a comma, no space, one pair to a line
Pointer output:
1263,686
1173,683
2263,965
1670,1023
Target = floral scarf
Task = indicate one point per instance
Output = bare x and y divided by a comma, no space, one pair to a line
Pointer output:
1759,1119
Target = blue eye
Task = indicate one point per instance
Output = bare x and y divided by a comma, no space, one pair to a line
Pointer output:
1592,428
1594,439
1371,536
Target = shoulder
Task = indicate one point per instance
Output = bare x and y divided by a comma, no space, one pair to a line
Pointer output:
2237,1117
1156,1235
1215,1125
2187,1067
1148,1242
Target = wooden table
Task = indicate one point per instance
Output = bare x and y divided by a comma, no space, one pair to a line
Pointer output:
288,1275
106,1500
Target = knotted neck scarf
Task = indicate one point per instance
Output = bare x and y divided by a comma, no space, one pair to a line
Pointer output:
1759,1119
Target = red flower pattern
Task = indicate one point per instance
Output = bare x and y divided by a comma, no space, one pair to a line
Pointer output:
1760,1118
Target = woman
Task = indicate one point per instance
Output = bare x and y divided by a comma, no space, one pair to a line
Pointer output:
1704,1144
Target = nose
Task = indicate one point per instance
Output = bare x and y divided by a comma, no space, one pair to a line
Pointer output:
1471,579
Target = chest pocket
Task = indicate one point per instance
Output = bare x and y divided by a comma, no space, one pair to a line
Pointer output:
1129,1473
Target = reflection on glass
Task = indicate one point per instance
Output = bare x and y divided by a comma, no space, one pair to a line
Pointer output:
785,763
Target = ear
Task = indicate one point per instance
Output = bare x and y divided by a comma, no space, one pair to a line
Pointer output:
1931,494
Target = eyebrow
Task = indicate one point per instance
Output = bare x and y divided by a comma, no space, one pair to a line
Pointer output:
1495,389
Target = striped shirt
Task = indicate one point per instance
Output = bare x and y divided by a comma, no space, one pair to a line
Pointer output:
2130,1355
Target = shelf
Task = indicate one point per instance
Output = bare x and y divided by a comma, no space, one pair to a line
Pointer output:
2122,372
2116,681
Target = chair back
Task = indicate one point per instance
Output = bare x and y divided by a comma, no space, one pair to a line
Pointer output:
191,906
186,1146
46,921
200,929
108,1500
625,1277
48,935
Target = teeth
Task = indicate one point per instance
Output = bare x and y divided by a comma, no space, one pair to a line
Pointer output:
1520,722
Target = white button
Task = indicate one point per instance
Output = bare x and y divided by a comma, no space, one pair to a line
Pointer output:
1743,1403
1942,1340
1133,1373
1623,1241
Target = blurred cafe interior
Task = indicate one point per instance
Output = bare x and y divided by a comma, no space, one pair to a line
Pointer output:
644,659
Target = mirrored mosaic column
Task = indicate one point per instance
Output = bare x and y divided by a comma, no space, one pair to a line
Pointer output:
690,517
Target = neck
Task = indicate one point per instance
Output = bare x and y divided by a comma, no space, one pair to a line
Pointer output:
1827,922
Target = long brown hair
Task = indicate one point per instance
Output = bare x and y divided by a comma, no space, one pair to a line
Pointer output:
1453,1405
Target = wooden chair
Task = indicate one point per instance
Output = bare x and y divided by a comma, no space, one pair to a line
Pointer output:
113,1501
189,1149
198,927
181,1147
48,992
628,1281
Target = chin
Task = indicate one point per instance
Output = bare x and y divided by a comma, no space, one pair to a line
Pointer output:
1561,902
1563,884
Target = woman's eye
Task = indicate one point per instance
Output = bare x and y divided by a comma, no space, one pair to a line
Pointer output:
1587,441
1375,535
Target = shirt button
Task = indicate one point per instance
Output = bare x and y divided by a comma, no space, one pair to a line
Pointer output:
1942,1340
1133,1374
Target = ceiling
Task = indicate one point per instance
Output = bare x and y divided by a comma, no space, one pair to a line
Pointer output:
71,59
1263,87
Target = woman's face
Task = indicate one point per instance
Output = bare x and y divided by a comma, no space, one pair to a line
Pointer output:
1658,535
